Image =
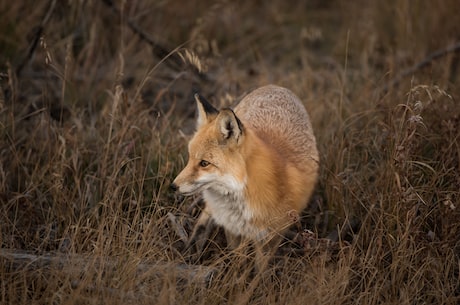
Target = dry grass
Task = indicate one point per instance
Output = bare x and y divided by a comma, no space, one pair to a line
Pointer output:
94,126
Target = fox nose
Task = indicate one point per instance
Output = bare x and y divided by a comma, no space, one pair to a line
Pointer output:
173,187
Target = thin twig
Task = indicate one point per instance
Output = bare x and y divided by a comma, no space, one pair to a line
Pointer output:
420,65
174,60
38,31
158,49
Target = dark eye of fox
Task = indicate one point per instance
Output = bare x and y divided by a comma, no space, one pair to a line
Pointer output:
204,163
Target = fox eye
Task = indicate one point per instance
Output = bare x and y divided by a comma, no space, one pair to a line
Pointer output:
204,163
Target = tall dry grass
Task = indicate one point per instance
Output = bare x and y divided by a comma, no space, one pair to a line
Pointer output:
95,122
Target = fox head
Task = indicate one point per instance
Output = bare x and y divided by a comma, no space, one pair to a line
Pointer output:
216,160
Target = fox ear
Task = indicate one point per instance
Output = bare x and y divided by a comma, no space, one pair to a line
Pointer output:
229,125
206,111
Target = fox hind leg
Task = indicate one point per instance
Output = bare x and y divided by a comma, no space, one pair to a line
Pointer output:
266,252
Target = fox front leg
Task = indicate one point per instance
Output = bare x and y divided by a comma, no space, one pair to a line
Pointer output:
201,232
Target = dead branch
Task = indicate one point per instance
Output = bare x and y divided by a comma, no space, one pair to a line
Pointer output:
420,65
74,265
37,33
170,56
159,50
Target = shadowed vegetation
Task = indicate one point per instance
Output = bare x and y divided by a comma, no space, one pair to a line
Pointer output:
96,108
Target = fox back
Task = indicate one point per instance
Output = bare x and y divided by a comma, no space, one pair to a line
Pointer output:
256,166
280,119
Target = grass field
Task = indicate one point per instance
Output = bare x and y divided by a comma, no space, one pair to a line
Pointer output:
96,108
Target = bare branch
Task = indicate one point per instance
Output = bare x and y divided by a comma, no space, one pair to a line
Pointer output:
420,65
73,265
37,33
158,49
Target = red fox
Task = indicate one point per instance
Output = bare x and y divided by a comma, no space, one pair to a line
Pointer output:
255,166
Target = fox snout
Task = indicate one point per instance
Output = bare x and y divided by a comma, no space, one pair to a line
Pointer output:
173,187
177,194
177,185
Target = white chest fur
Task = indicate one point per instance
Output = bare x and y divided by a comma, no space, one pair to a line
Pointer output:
231,211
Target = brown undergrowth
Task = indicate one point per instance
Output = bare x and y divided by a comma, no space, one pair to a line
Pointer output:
94,123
